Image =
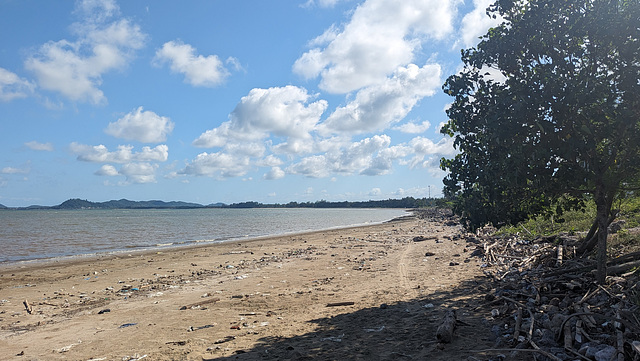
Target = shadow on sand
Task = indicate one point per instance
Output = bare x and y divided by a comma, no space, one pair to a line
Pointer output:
401,331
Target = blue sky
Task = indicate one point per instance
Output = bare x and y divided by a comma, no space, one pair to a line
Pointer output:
227,101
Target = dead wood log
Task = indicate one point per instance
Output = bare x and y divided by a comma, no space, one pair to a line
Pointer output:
338,304
28,307
516,332
622,268
444,333
201,303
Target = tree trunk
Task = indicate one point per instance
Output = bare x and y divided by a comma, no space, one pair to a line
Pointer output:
603,209
590,241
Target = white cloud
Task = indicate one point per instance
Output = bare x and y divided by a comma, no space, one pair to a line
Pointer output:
143,126
413,128
198,70
75,68
321,3
139,172
375,192
354,158
33,145
282,112
313,167
378,106
124,153
476,23
422,147
221,165
274,173
107,170
13,170
381,36
13,87
271,161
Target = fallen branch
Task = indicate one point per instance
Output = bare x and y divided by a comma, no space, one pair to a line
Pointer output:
198,304
28,307
338,304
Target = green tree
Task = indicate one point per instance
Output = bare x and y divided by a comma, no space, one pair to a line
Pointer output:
546,113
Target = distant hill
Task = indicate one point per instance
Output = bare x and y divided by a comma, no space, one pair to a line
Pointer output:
2,206
123,204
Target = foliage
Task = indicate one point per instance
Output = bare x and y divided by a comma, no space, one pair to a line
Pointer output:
547,113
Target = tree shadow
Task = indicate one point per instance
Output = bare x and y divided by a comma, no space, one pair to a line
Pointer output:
400,331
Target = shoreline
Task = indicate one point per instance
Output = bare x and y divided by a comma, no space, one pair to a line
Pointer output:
369,292
179,244
142,250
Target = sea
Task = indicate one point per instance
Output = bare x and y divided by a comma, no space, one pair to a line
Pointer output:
37,235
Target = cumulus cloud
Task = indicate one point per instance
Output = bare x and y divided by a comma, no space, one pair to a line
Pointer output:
33,145
143,126
13,87
220,165
74,68
313,167
413,128
354,158
282,111
107,170
424,147
198,70
378,106
123,154
381,36
274,173
139,172
476,23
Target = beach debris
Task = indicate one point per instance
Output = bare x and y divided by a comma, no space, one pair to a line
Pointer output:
338,304
135,357
199,304
176,343
104,311
423,238
544,299
444,333
191,328
125,325
377,329
67,348
334,338
223,340
27,306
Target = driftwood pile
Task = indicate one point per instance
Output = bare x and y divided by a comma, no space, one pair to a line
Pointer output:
545,304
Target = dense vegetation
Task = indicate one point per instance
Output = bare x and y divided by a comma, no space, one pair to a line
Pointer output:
546,115
407,202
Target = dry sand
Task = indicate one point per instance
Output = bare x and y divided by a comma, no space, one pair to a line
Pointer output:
266,299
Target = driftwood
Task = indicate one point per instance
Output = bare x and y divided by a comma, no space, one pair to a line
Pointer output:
338,304
199,304
27,306
567,309
444,334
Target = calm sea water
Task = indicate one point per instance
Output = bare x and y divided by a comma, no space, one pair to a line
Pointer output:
44,234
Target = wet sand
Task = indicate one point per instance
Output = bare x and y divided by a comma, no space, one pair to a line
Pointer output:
365,293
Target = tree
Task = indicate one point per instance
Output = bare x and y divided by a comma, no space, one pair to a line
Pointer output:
546,113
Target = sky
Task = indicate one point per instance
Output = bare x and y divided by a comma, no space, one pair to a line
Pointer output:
227,101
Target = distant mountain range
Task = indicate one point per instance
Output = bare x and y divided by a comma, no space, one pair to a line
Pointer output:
76,203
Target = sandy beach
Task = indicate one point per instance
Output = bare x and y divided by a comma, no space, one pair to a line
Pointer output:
368,293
